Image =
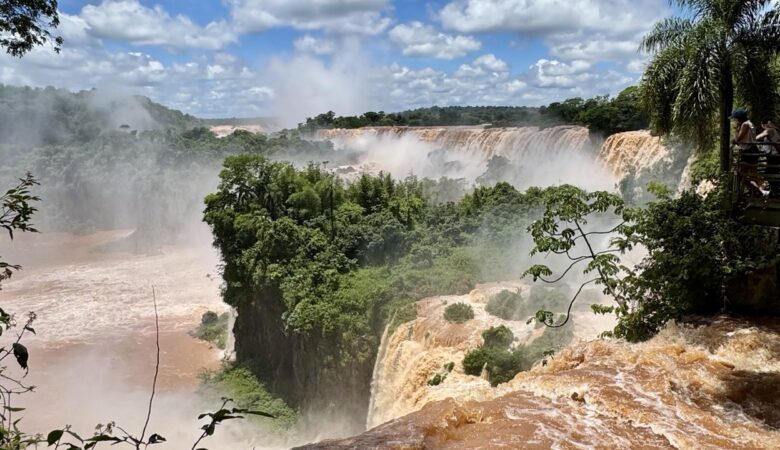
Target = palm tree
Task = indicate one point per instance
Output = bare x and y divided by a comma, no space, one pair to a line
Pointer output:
719,48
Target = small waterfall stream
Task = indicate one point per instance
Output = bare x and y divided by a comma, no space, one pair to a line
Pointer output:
378,364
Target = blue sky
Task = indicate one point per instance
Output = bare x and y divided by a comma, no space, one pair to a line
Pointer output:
295,58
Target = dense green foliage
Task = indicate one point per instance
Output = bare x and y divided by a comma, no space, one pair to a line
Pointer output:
458,313
502,363
340,242
500,337
433,116
507,305
330,262
601,114
694,249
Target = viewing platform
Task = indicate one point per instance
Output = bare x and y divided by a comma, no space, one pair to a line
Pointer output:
754,186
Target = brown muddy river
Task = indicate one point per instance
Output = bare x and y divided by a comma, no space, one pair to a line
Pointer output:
93,358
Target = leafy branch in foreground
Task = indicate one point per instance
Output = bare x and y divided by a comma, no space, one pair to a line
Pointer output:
25,24
564,225
16,212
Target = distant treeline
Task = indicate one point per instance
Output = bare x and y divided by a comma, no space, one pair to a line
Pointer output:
601,114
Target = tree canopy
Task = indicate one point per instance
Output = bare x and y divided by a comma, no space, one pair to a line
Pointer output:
25,24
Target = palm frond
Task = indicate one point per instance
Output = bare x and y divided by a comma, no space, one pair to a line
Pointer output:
697,8
746,13
756,81
762,33
659,87
668,32
698,93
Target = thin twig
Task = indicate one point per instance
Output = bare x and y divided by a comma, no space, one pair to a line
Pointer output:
604,279
571,305
577,260
156,369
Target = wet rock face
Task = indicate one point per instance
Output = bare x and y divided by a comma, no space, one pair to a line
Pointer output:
712,385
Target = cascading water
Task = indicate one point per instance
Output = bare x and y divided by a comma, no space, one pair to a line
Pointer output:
230,342
484,142
544,156
378,365
418,350
710,385
632,151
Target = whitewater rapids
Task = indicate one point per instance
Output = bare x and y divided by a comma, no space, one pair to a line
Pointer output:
713,384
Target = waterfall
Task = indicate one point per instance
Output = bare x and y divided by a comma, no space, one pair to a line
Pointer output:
416,351
549,152
230,342
632,152
712,385
485,142
380,358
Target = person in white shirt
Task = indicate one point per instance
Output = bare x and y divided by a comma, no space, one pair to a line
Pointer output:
745,140
746,132
771,136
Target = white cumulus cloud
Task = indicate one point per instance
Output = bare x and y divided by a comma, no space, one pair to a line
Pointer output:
337,16
130,21
418,39
587,30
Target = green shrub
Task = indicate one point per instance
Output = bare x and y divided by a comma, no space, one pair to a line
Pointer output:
501,364
209,318
436,380
213,328
504,365
475,361
498,337
441,376
506,305
458,313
